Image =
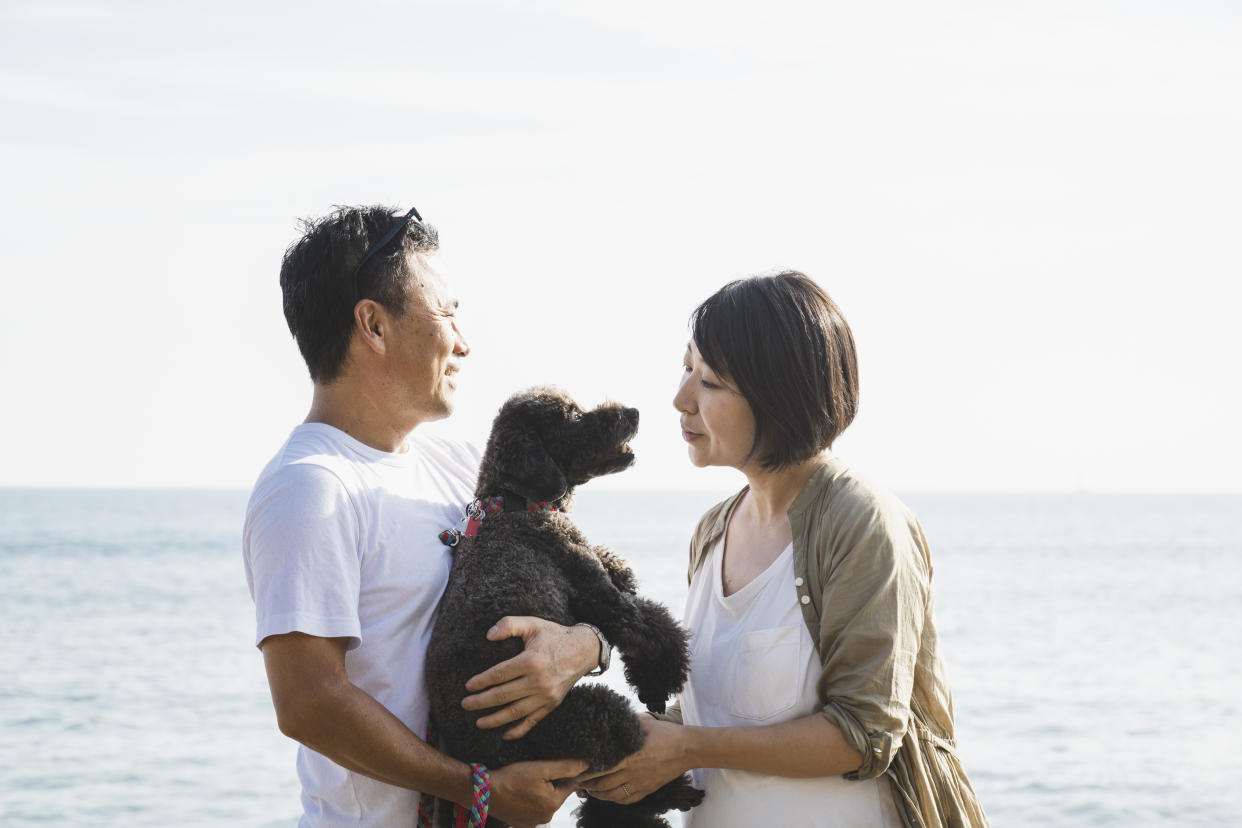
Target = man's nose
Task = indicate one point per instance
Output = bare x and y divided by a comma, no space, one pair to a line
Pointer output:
460,346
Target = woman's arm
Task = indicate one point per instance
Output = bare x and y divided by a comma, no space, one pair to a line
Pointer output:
875,570
807,747
875,576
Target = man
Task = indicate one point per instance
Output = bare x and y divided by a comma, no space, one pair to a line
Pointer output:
341,549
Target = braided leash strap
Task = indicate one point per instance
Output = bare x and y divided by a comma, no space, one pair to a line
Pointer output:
482,797
476,817
426,810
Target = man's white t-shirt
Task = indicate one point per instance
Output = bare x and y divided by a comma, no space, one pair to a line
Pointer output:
341,541
753,663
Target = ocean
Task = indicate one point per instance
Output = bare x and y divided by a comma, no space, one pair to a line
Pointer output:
1093,642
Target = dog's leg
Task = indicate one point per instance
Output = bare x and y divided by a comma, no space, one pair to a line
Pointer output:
598,813
653,645
678,793
656,652
620,574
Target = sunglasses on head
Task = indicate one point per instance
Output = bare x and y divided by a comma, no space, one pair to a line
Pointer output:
387,238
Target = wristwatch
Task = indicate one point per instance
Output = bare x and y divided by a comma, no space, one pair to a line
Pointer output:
605,649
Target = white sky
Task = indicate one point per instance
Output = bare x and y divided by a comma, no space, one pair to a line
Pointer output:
1029,212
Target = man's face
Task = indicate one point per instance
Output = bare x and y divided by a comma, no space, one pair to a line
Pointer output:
427,345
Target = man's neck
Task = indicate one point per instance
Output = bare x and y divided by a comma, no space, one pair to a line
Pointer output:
356,410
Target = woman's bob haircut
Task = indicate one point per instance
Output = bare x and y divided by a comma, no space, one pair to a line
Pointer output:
784,344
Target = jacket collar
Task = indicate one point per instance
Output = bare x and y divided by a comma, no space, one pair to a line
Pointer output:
831,467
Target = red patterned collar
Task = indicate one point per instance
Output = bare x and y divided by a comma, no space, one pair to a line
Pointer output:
481,508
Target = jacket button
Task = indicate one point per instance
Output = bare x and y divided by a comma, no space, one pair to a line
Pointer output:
798,581
806,599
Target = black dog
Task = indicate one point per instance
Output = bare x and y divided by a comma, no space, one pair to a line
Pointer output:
524,561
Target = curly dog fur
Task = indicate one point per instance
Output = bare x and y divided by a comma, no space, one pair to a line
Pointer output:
542,445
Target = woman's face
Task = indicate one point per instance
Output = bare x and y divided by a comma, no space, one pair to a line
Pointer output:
716,420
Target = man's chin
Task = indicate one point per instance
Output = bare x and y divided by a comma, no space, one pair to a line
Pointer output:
434,410
444,408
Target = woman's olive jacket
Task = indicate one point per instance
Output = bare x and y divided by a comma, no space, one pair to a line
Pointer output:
863,580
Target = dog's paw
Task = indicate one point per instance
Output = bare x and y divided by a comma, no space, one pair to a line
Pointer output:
652,682
682,794
654,704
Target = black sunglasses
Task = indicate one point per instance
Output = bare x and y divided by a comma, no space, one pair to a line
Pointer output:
392,233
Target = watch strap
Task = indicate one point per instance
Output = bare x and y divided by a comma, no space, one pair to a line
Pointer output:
605,649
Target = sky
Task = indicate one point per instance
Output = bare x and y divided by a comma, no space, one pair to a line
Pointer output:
1029,213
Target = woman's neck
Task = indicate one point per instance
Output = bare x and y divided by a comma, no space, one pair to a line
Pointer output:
773,492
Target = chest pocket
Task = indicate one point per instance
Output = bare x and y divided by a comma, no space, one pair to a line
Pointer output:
767,672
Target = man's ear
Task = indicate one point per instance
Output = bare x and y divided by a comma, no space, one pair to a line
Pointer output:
371,324
528,469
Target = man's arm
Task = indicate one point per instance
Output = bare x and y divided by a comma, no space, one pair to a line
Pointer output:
317,705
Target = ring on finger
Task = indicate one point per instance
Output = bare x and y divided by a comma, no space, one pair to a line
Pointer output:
626,788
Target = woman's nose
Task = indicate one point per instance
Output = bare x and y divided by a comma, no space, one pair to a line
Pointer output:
683,400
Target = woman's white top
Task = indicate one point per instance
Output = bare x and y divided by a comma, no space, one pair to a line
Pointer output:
753,663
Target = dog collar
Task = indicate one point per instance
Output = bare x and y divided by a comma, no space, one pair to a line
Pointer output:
481,508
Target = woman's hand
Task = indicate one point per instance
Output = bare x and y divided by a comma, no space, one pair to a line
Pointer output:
661,759
530,685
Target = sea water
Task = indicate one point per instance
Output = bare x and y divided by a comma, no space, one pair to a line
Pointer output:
1092,641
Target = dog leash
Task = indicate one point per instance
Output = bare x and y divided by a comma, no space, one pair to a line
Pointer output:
481,785
468,527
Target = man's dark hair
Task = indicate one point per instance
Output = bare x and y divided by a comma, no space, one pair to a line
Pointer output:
319,287
784,344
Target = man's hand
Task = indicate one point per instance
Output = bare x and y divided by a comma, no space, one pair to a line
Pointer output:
531,684
523,794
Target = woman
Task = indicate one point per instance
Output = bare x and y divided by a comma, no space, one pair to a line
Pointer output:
816,694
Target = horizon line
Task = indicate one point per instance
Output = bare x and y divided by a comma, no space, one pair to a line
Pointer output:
88,487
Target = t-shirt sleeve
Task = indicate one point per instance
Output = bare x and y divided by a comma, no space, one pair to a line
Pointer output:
301,554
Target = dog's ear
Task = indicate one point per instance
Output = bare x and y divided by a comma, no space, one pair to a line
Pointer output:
530,471
526,468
